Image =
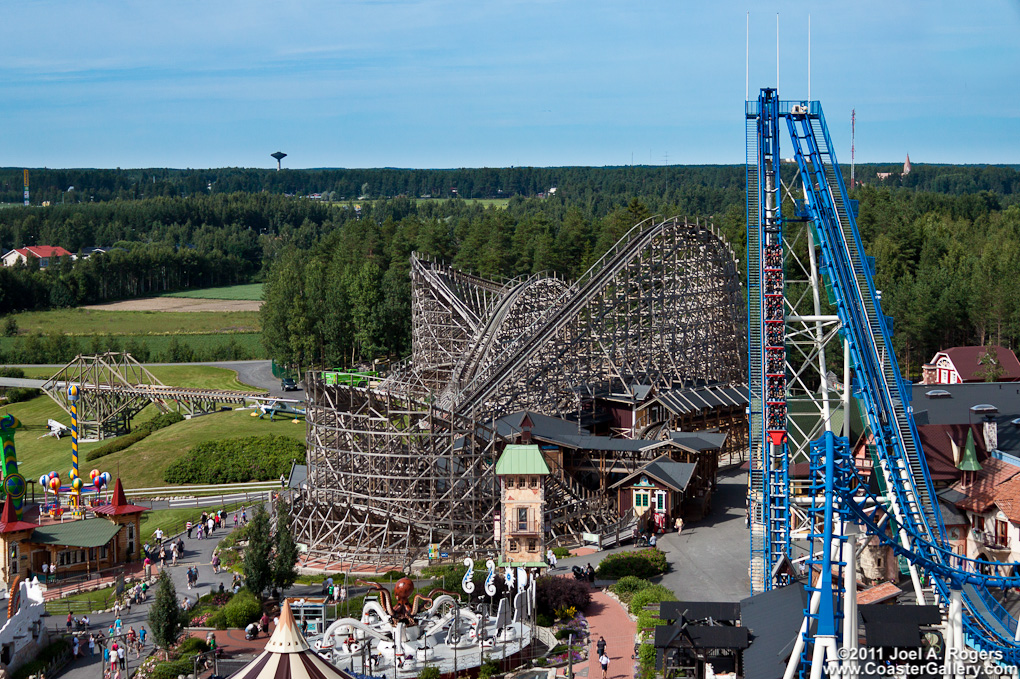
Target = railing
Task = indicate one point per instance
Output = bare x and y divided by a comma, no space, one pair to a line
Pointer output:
989,540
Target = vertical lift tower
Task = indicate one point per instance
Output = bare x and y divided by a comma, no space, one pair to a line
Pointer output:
798,407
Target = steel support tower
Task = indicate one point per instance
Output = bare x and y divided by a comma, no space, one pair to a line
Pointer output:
903,515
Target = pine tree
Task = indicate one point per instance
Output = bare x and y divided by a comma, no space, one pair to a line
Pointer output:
258,569
165,614
284,572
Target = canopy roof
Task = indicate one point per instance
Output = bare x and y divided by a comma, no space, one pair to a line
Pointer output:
288,656
84,533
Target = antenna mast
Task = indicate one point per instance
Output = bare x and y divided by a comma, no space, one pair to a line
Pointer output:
853,131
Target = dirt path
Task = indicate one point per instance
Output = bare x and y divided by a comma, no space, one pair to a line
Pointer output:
178,304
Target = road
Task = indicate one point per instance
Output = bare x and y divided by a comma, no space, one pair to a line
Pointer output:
709,559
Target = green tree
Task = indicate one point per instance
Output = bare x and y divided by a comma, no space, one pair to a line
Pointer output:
165,613
991,367
257,565
286,556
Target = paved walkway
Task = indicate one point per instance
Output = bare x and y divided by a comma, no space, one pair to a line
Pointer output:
608,618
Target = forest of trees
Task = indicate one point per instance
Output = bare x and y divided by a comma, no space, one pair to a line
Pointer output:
946,240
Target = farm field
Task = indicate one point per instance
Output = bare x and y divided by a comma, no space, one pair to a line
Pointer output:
251,291
155,348
88,321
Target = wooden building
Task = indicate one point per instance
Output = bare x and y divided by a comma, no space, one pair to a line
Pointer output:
522,472
72,547
655,493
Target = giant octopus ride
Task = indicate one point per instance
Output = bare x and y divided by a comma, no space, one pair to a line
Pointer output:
409,630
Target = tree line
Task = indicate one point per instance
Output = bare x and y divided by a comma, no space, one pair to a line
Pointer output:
61,187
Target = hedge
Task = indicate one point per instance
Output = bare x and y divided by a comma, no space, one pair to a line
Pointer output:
644,563
553,594
141,431
236,460
627,586
242,609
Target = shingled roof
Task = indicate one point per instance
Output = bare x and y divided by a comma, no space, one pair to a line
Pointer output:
966,361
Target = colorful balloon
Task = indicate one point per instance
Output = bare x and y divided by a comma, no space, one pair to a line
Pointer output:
77,483
93,474
72,473
55,484
44,480
107,477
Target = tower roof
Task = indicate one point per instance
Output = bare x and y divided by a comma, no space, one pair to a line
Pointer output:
9,520
119,504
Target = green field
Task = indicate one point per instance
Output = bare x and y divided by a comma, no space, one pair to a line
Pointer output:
141,465
251,292
212,347
93,322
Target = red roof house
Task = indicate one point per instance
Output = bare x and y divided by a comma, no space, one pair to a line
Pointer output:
972,364
41,252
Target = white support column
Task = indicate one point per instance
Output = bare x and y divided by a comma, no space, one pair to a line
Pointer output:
850,641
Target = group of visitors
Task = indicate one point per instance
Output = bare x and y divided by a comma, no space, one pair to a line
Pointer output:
333,593
114,647
192,574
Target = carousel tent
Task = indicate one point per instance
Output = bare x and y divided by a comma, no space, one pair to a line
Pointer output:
288,656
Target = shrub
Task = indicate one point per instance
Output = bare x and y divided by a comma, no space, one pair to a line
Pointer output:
217,620
242,609
429,672
192,645
561,552
646,662
394,575
626,587
540,662
141,431
644,563
487,669
650,595
553,594
173,668
544,620
236,460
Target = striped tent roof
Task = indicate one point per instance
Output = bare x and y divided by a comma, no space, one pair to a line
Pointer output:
288,656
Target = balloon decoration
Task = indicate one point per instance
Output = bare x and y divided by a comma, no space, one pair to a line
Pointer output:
44,480
93,474
73,474
55,484
76,484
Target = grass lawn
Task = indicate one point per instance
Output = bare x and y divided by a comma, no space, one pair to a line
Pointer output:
96,600
174,520
252,291
93,322
142,465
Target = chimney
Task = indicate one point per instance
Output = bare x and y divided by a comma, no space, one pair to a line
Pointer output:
991,428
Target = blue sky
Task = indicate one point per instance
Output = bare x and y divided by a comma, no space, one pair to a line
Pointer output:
438,83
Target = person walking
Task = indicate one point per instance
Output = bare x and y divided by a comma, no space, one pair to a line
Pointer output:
283,482
216,562
141,636
235,519
70,620
173,554
209,527
189,526
679,524
92,645
604,661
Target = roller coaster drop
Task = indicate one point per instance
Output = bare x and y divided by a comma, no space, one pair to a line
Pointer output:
903,514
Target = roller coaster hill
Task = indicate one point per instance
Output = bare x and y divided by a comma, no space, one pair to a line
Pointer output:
658,322
811,289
